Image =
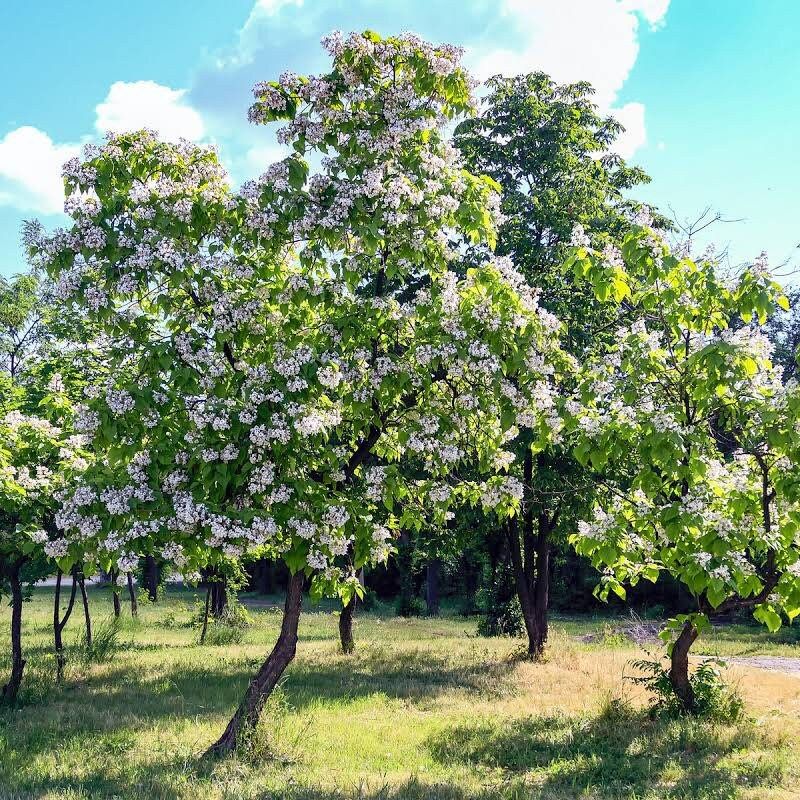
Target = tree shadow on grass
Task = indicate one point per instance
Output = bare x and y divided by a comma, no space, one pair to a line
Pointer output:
619,755
94,719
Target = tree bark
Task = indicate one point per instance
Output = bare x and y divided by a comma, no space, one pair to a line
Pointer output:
219,595
346,626
266,679
151,578
679,668
541,586
86,615
432,587
59,623
115,593
132,595
526,599
11,688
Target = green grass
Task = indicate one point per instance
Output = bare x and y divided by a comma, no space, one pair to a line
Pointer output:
424,709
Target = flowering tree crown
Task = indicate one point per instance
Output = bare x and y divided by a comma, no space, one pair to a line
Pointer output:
690,416
298,367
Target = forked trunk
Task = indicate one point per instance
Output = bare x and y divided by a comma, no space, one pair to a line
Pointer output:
346,626
132,595
527,601
266,679
86,615
679,668
11,689
59,623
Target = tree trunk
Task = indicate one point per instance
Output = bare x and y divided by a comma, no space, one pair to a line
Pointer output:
266,679
11,689
679,667
115,593
59,623
219,596
132,594
403,561
205,615
526,599
541,586
151,578
86,615
346,626
432,587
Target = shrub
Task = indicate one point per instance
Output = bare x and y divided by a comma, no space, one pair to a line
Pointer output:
501,614
410,606
714,699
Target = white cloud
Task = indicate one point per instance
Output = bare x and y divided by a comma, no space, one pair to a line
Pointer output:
572,40
631,115
260,157
654,11
30,170
30,161
146,104
576,40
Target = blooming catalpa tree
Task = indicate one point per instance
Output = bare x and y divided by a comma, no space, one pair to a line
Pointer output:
297,367
39,458
690,414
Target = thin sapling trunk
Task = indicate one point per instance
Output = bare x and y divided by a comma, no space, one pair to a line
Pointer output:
346,626
132,595
59,622
11,689
87,617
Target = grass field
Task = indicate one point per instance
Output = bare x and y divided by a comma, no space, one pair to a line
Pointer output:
424,709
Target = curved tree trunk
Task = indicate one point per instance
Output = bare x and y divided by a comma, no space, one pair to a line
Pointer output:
59,623
346,626
266,679
132,595
432,587
679,667
11,688
87,617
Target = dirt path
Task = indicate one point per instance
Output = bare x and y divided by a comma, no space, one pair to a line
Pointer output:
785,664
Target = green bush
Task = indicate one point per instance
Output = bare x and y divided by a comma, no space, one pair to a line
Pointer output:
713,698
410,606
501,614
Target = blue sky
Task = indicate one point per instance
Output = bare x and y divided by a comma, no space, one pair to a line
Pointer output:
707,88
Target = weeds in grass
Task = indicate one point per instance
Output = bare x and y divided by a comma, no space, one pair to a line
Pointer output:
714,699
228,629
106,642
